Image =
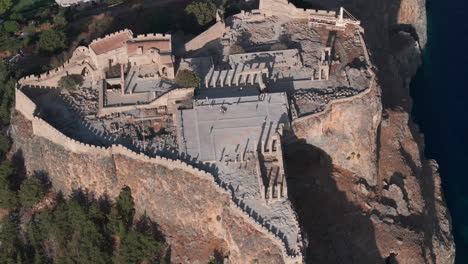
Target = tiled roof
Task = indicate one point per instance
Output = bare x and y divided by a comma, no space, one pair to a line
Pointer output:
112,42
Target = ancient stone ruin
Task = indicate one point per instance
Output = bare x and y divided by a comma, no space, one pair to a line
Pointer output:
274,66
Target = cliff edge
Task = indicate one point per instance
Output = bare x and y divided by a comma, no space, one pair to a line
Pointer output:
406,210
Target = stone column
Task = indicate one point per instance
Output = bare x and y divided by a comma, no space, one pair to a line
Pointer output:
122,79
278,192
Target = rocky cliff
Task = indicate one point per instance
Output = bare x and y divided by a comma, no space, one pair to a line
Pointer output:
397,213
196,218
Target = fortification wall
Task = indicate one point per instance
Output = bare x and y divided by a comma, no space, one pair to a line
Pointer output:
152,37
214,32
284,8
26,105
128,31
41,129
80,59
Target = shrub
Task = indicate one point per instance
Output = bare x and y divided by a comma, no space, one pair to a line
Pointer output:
202,11
5,144
187,78
236,49
17,17
11,26
5,5
70,82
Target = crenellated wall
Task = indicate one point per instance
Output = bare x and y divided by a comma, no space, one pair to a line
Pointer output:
41,129
151,36
284,8
74,65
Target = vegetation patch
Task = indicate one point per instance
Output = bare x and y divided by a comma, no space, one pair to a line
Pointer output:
187,79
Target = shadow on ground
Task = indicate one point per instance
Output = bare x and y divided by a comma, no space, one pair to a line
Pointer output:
336,228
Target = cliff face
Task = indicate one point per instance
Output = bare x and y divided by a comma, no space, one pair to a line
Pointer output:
401,216
347,133
194,216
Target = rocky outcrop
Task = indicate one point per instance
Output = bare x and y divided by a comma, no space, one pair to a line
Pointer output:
195,216
402,215
347,131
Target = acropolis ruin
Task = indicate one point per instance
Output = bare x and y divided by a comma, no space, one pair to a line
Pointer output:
270,68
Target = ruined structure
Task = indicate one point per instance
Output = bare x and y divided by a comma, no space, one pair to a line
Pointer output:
293,66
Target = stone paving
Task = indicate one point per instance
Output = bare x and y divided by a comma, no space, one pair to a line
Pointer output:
221,128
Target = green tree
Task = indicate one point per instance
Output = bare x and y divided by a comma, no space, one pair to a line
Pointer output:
87,245
136,247
70,82
17,17
203,11
32,191
125,206
60,20
8,198
8,233
51,40
159,23
5,144
7,91
5,5
120,219
11,26
187,78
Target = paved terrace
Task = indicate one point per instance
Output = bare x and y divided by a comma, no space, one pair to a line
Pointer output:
222,128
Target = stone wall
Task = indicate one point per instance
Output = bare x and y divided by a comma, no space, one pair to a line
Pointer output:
168,99
214,32
195,209
75,65
284,8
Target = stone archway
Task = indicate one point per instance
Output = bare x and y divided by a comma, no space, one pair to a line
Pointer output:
85,72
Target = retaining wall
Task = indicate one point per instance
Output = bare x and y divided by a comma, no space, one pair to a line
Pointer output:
214,32
372,84
163,100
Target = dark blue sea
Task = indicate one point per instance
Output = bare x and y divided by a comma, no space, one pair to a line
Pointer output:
440,94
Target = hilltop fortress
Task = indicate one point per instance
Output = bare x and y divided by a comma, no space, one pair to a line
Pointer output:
276,71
